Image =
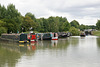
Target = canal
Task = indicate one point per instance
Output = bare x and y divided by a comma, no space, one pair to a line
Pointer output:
73,51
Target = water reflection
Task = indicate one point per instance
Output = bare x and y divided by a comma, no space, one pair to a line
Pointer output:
10,52
53,44
74,41
72,52
8,56
50,44
98,42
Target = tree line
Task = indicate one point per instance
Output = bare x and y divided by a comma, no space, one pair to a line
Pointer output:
12,21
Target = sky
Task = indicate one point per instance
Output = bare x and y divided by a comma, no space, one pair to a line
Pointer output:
84,11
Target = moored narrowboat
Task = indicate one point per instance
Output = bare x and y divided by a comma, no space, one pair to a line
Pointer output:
44,36
23,38
82,34
54,36
32,37
47,36
62,35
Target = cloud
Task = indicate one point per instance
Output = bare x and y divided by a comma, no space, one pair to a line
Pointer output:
87,20
84,11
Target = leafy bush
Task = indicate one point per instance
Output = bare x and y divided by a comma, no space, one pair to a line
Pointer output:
2,30
74,31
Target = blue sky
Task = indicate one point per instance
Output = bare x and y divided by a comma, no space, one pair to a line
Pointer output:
84,11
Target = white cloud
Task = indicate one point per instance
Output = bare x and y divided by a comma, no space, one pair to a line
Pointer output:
87,21
84,11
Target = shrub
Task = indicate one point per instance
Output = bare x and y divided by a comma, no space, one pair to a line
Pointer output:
74,31
2,30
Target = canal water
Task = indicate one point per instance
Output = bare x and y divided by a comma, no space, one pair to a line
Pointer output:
73,51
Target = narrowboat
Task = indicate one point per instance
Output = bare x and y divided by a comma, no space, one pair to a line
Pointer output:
54,36
62,35
47,36
32,37
23,38
82,34
44,36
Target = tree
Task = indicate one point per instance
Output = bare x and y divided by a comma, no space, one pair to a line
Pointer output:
27,24
11,25
75,24
74,31
31,16
2,24
13,18
2,12
2,27
66,26
12,12
42,25
92,27
82,27
53,24
98,24
3,30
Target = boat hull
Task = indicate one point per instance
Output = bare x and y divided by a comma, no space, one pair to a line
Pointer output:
82,35
54,38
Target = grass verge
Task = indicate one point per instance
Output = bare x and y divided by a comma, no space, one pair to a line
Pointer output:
96,33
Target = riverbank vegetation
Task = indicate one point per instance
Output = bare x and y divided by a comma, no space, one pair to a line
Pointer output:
11,21
96,33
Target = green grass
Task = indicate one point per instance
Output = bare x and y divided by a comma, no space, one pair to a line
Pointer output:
96,33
